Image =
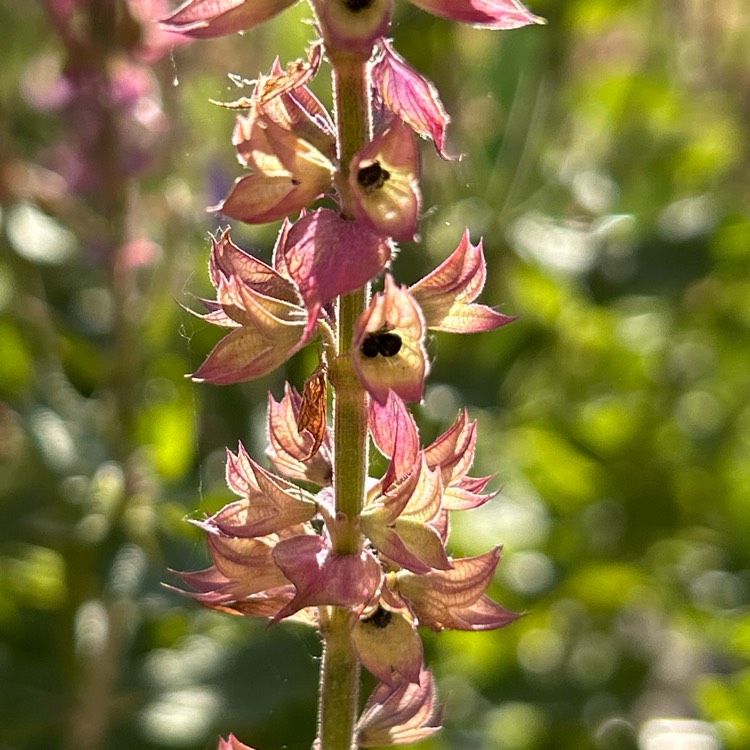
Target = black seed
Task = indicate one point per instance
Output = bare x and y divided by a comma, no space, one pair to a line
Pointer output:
369,346
372,177
380,618
389,344
357,5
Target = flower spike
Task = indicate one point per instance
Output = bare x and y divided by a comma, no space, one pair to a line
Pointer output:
362,558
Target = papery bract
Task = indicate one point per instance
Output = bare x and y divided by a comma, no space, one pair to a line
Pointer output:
409,95
266,332
228,260
327,256
397,522
290,449
269,503
400,714
203,19
287,141
389,351
395,435
288,173
488,14
454,598
321,576
446,295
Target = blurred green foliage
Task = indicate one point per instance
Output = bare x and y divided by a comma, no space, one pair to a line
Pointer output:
606,166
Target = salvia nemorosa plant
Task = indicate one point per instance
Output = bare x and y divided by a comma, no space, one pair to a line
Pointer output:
362,559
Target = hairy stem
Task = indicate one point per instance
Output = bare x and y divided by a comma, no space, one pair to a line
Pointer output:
339,685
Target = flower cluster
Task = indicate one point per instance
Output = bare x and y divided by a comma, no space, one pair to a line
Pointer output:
284,549
273,553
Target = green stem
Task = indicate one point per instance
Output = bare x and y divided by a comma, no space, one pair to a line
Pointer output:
339,681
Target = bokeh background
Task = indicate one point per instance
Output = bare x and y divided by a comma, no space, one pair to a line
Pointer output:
606,167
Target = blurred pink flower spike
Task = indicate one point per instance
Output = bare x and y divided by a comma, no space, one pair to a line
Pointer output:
410,96
395,435
384,179
327,256
455,598
397,522
353,26
400,713
446,295
388,645
320,576
487,14
232,743
289,449
389,351
269,503
204,19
